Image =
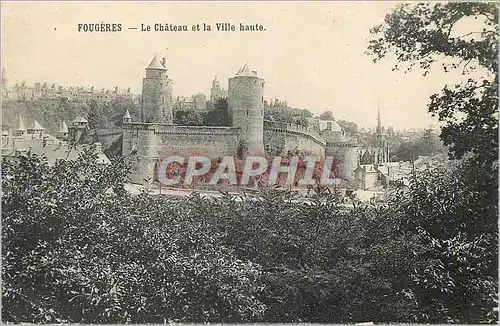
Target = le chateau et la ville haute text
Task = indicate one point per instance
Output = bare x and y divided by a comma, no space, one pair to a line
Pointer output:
166,27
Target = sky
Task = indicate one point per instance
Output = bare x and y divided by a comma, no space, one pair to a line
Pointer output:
311,54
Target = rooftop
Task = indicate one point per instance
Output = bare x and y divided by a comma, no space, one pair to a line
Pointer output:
37,126
80,119
156,64
63,128
245,71
127,115
21,124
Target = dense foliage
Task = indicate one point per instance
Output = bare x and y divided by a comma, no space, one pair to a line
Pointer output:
77,248
428,144
219,115
280,111
50,113
458,212
188,118
428,35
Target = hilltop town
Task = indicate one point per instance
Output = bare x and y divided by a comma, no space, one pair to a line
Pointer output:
360,165
280,190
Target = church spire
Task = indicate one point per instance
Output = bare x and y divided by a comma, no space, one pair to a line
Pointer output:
381,143
379,121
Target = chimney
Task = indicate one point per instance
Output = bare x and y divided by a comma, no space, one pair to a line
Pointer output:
164,62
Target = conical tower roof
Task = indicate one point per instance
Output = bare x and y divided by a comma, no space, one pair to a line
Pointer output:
22,126
245,71
127,115
63,128
156,64
80,119
37,126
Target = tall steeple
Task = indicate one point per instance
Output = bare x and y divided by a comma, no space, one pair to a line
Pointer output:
379,122
381,144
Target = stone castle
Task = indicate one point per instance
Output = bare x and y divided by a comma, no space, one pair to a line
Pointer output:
155,136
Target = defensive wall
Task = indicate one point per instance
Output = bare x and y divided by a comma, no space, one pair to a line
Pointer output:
107,137
281,138
145,144
155,137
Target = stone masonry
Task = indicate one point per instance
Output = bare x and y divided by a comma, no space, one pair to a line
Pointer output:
145,143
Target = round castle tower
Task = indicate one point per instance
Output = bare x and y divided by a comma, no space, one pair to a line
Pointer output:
157,94
339,146
246,109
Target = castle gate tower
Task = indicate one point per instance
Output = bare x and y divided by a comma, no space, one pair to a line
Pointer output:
246,108
156,94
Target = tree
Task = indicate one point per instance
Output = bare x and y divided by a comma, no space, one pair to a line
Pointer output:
430,142
115,110
453,209
188,118
440,220
93,115
76,248
219,116
424,34
350,127
327,115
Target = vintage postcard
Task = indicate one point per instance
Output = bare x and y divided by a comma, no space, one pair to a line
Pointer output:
249,162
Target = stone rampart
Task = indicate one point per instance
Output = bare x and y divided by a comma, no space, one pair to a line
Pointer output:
146,144
282,138
283,142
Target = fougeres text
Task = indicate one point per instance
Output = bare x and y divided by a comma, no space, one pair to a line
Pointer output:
250,162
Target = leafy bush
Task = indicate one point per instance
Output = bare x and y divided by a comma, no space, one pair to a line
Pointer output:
74,251
78,248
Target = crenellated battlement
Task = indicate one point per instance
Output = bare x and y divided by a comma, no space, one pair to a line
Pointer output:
294,129
158,129
197,130
249,134
341,144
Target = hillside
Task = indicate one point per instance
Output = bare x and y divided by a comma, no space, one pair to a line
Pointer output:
51,112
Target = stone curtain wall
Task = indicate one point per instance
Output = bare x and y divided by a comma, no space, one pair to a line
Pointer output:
187,140
144,144
280,142
106,137
280,138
